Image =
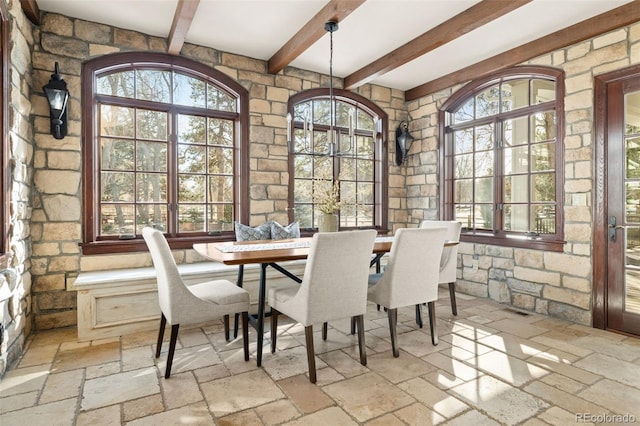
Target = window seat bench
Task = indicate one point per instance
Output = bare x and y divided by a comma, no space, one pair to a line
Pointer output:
123,301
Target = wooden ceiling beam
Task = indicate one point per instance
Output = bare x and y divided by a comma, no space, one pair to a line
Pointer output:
185,11
461,24
312,31
589,28
31,10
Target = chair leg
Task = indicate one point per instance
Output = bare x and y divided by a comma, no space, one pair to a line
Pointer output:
311,359
325,328
245,334
452,296
239,283
172,349
393,321
163,324
226,327
432,322
361,346
353,325
418,316
274,329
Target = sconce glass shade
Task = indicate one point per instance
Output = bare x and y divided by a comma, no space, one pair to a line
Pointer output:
403,142
58,97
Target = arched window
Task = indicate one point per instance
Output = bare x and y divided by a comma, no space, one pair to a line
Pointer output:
355,165
503,159
165,145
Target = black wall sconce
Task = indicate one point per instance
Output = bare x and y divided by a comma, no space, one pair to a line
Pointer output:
58,97
403,142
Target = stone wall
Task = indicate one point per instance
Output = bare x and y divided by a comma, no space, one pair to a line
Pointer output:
56,223
16,315
557,284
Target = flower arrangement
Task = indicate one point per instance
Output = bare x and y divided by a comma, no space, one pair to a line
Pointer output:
326,196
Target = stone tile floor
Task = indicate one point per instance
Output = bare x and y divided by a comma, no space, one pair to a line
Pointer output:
492,366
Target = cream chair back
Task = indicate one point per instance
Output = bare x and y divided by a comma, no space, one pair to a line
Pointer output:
449,260
413,267
334,285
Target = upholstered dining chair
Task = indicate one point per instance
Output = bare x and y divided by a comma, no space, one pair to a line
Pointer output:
449,261
185,305
410,277
334,286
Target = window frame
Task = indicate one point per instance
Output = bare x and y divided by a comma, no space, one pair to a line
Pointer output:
550,242
381,154
5,176
92,244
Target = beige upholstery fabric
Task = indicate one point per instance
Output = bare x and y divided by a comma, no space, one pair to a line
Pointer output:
334,285
194,304
412,272
449,260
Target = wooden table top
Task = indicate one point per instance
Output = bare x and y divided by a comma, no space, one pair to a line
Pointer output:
216,251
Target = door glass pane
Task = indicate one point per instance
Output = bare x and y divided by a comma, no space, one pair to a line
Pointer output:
632,275
632,113
632,205
633,158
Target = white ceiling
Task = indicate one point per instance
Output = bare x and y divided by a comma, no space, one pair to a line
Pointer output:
259,28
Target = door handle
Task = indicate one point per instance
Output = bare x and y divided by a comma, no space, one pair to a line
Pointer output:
613,228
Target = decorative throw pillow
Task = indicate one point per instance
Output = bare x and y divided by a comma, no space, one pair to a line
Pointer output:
247,233
279,232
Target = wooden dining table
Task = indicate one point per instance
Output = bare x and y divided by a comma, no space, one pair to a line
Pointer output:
269,253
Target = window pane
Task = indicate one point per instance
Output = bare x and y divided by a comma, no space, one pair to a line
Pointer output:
465,112
544,126
516,217
152,215
365,170
151,156
116,219
484,137
302,111
220,132
303,190
463,191
348,192
221,161
151,187
320,143
515,94
191,159
321,112
347,168
543,91
220,217
365,146
119,84
544,187
484,190
152,125
463,140
302,166
152,85
304,215
516,160
345,115
116,121
323,167
188,91
220,100
191,129
463,214
191,188
516,131
365,193
116,154
632,197
544,219
543,157
633,158
484,163
487,102
483,216
221,188
516,189
191,218
364,121
116,186
463,166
